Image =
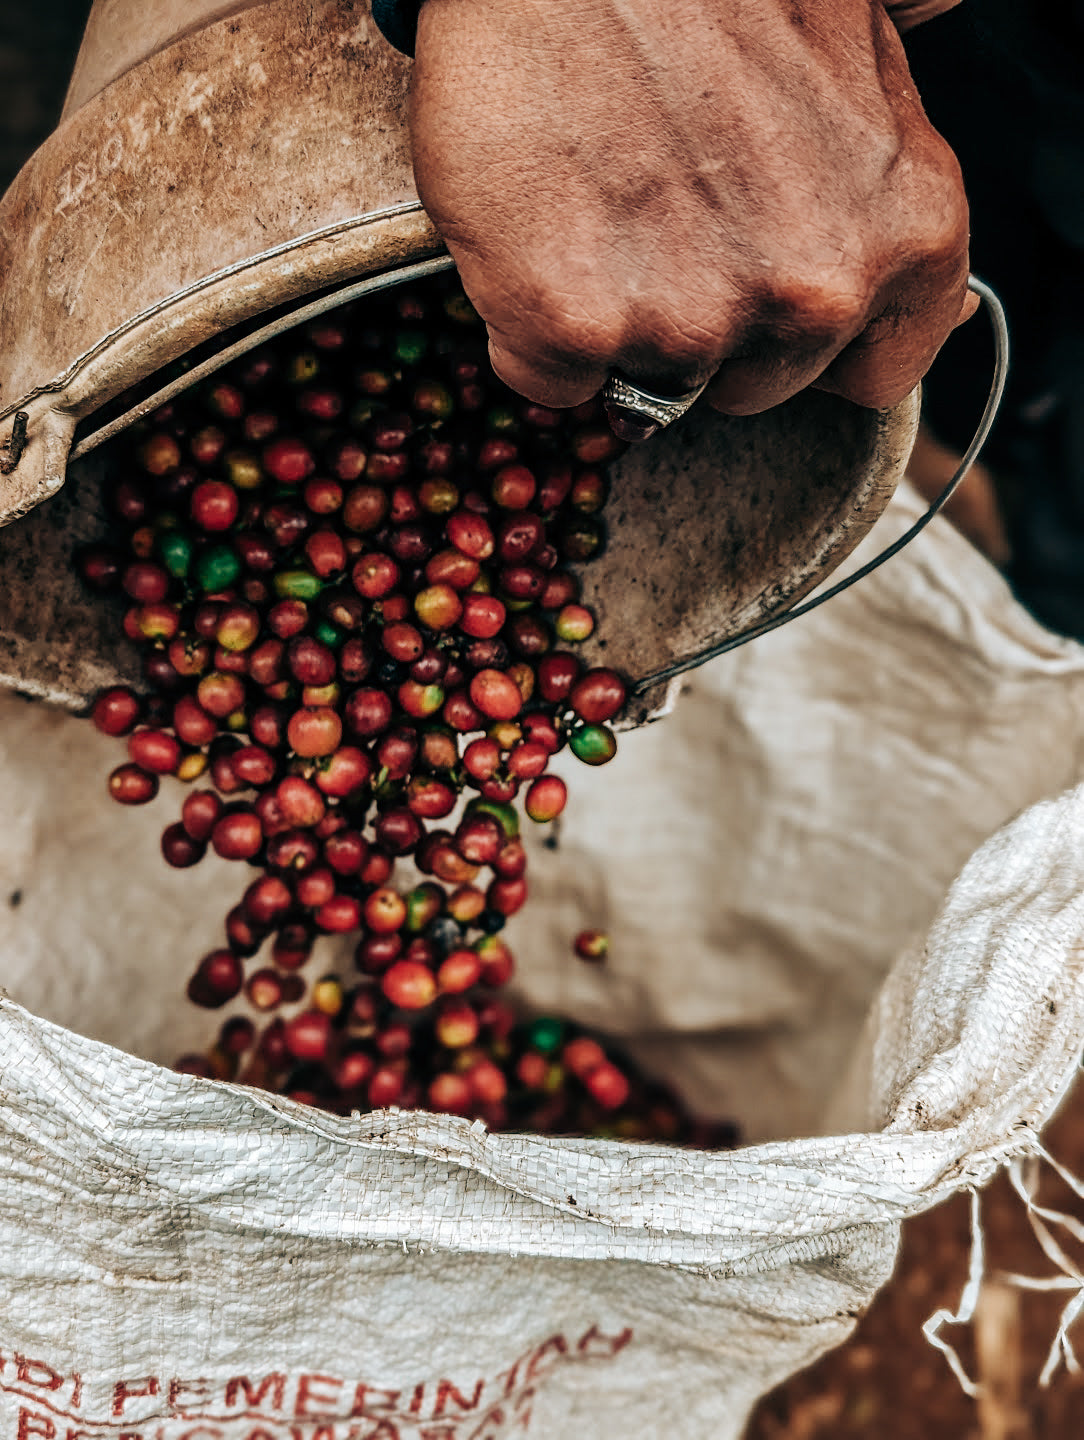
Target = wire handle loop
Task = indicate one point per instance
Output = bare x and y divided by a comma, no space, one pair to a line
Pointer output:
999,325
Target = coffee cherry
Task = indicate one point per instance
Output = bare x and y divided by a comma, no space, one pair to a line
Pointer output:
409,985
288,461
519,536
398,830
385,1088
420,700
160,454
214,505
460,970
179,849
220,695
300,803
385,911
237,835
557,674
217,979
466,904
452,567
607,1085
456,1024
546,798
308,1034
292,947
264,989
528,759
429,798
450,1093
514,486
496,695
367,712
593,945
506,897
145,582
482,616
574,623
597,695
199,813
116,711
314,733
471,534
216,568
353,1070
344,772
154,750
593,744
532,1070
438,607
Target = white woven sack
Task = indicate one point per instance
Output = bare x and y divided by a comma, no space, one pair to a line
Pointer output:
182,1260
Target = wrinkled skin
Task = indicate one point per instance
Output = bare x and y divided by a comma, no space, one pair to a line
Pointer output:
678,189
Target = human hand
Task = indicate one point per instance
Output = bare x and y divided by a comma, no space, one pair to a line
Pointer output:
679,189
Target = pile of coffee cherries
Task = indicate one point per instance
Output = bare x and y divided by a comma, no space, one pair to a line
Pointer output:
346,562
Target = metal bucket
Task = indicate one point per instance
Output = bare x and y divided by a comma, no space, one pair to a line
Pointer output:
221,166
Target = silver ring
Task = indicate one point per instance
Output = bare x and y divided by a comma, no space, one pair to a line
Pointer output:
659,410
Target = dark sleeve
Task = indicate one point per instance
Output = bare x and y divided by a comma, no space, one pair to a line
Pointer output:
397,21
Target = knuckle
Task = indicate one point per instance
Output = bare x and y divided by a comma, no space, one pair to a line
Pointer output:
880,394
539,304
819,309
877,387
567,313
938,233
566,328
942,246
680,343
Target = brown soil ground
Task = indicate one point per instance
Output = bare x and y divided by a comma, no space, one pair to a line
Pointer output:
886,1381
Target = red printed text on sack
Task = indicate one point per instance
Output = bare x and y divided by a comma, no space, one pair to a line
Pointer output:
53,1404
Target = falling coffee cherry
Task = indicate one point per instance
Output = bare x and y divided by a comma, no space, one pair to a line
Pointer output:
345,564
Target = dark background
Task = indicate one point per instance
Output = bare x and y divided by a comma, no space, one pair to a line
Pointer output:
1003,80
38,44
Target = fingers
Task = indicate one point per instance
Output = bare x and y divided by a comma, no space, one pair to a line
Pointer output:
967,309
560,349
758,352
803,322
748,385
895,350
874,364
552,345
559,386
556,341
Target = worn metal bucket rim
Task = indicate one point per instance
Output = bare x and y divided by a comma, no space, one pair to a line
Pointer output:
61,382
287,319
